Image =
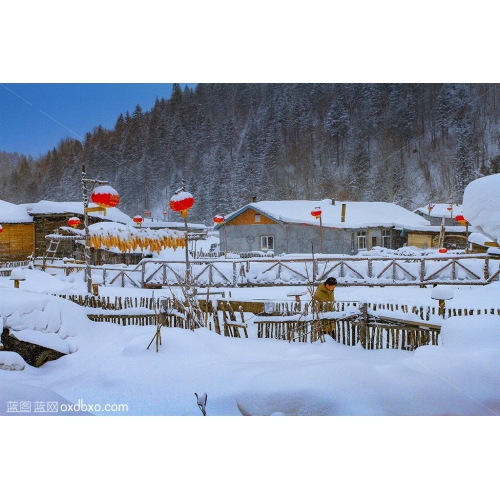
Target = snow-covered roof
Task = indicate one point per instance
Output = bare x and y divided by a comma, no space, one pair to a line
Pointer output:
480,239
171,225
440,210
13,213
75,207
357,213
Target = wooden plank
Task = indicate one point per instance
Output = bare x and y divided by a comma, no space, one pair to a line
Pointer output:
401,321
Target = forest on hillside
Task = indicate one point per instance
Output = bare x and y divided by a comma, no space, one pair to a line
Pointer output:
402,143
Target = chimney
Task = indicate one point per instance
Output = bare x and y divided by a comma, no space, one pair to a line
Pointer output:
254,199
342,214
333,201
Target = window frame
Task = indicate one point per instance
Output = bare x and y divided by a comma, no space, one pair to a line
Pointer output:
361,236
266,247
386,237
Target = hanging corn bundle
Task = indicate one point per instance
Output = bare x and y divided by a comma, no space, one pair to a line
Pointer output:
131,239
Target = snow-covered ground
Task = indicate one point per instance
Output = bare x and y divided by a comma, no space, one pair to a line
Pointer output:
108,364
108,371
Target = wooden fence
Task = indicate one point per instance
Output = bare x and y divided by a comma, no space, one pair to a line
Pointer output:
466,269
377,325
7,267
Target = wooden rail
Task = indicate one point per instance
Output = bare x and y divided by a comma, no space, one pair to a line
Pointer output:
351,271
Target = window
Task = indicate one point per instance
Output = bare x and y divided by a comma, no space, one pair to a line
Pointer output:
386,238
361,240
267,242
257,218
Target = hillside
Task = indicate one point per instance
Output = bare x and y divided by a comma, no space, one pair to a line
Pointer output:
402,143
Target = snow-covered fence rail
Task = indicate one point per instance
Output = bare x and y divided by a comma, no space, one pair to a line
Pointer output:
353,271
477,269
6,267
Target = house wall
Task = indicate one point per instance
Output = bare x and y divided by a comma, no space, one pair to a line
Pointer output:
48,224
244,234
298,238
248,217
16,241
421,240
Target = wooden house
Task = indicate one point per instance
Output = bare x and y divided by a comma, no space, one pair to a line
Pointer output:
49,216
18,233
327,226
440,215
435,213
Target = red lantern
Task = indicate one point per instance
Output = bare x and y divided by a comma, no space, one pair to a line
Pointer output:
218,219
147,213
316,212
459,218
138,219
442,250
449,209
105,197
165,212
181,202
74,222
1,228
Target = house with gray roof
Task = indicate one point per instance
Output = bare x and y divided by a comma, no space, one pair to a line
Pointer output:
294,226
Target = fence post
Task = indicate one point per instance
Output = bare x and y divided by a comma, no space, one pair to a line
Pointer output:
363,324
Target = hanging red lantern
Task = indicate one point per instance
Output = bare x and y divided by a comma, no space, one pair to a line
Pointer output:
459,218
449,209
74,222
181,202
165,212
105,197
1,228
218,219
147,213
442,250
138,219
316,212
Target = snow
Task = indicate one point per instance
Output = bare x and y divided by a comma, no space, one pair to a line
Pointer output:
75,207
108,371
13,213
357,214
442,293
441,210
481,206
108,363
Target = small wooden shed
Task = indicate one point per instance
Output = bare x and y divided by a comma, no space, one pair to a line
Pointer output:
49,216
18,233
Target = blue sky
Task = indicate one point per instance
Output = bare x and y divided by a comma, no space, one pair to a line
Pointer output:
35,117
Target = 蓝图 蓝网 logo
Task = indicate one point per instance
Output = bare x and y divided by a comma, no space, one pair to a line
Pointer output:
51,407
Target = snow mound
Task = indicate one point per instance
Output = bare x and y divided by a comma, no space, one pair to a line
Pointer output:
48,321
282,404
481,205
473,333
11,361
